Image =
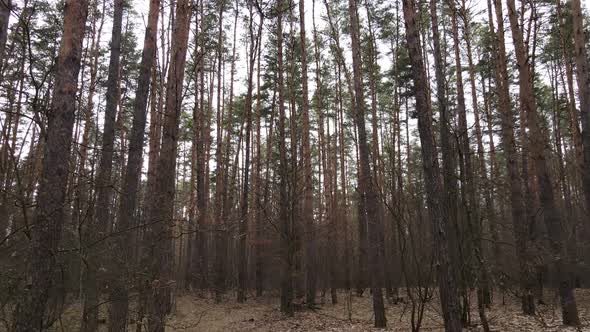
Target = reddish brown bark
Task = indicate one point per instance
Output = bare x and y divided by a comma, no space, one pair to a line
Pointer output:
47,224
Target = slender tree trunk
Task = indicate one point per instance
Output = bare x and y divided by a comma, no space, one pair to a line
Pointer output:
286,231
537,140
259,226
570,236
222,153
449,162
200,266
583,77
307,213
243,226
103,186
469,191
343,213
509,147
367,188
161,201
441,225
83,210
123,244
485,289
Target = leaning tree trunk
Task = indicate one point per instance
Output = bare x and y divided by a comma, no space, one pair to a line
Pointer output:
46,227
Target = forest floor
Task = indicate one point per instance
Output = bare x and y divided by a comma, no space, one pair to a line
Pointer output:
198,314
192,313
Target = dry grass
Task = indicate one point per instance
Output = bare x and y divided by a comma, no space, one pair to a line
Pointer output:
197,314
194,314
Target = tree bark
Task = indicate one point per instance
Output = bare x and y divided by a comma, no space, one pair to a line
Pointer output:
537,143
123,245
519,221
441,227
100,222
367,190
287,249
5,8
47,224
161,202
307,214
583,77
244,217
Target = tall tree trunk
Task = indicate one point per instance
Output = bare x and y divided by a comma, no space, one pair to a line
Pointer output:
99,223
469,191
161,202
123,245
47,224
202,193
367,188
83,210
441,225
244,217
519,220
295,181
485,291
448,149
286,231
259,226
307,215
537,142
583,77
343,213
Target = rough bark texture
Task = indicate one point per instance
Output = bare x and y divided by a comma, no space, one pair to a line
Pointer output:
99,223
509,147
244,218
441,226
122,241
157,255
538,147
481,181
368,195
449,162
287,250
47,224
